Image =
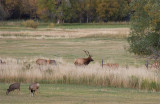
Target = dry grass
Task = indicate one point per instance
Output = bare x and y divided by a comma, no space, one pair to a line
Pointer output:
45,33
28,71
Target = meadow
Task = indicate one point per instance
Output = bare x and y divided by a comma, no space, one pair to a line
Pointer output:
20,47
77,94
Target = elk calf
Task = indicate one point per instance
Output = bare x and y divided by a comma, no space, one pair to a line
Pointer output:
13,87
33,87
84,61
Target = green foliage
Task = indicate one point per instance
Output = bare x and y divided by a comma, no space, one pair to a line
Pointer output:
134,82
3,13
150,85
68,11
145,30
30,23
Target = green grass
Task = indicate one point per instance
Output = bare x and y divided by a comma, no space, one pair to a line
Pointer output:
17,25
78,94
92,25
108,49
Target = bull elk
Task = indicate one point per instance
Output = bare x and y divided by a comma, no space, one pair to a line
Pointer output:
84,61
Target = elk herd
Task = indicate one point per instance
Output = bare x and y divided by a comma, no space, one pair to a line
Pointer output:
78,62
86,61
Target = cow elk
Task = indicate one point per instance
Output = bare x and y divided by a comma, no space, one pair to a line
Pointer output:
45,62
51,62
33,87
13,87
155,65
110,65
84,61
41,62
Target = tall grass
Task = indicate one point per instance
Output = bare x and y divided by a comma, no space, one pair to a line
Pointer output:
66,73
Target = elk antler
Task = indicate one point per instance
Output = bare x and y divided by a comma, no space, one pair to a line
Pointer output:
87,53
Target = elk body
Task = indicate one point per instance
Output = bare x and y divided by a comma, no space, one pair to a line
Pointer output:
84,61
45,62
51,62
13,87
33,87
41,62
110,65
155,65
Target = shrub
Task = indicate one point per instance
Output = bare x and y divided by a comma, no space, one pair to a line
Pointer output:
30,23
145,27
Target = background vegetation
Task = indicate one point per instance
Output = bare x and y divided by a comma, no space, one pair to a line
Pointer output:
145,27
66,11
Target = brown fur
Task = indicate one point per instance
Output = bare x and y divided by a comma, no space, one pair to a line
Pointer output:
33,87
45,62
155,65
41,62
111,65
84,61
13,87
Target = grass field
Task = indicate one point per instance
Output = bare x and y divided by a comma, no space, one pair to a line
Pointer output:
21,46
78,94
10,25
109,49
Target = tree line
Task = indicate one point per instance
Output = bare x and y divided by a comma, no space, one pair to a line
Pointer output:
66,11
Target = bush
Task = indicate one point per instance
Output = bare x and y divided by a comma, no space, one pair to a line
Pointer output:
145,27
30,23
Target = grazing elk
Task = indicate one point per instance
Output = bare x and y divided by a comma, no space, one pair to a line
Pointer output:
33,87
84,61
13,87
110,65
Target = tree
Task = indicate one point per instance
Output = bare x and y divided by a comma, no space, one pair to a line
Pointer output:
52,9
107,9
145,31
3,13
